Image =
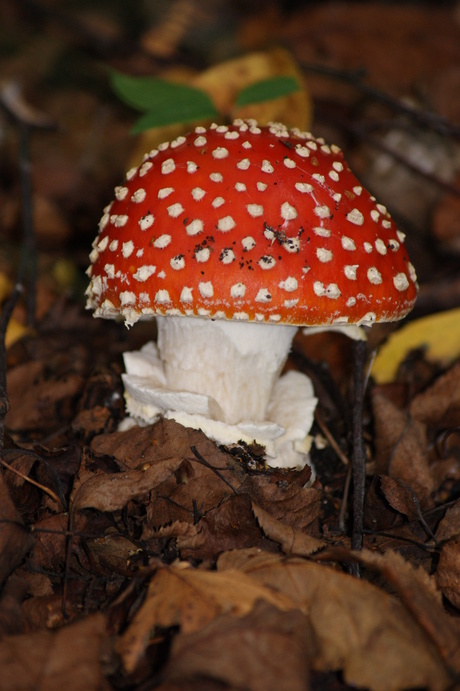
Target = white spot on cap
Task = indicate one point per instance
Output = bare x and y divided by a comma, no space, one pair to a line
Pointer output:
194,227
289,163
113,246
101,246
139,196
355,216
350,271
144,272
140,252
202,312
220,152
337,197
222,129
225,224
322,232
218,201
227,256
291,245
199,129
304,187
333,175
274,317
198,193
144,298
240,187
127,249
216,177
132,172
162,241
146,221
247,145
202,255
288,212
255,210
369,318
267,262
338,166
267,167
162,297
109,270
206,289
177,142
383,209
165,192
394,245
200,141
380,246
401,282
237,290
375,215
331,291
120,193
121,221
322,211
351,302
175,210
103,222
232,135
319,178
374,275
248,243
186,295
289,285
412,272
94,254
127,298
243,164
261,186
241,316
324,255
291,303
144,169
367,247
191,167
312,145
168,166
177,262
163,146
263,295
401,236
386,224
302,151
357,190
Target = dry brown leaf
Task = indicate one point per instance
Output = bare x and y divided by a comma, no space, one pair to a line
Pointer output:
190,598
448,571
266,650
401,446
112,492
357,627
400,496
450,524
292,540
67,659
15,540
439,405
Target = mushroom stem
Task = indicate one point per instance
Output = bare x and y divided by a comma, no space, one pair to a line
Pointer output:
235,363
358,459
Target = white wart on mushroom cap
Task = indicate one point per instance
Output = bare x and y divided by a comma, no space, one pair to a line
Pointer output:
249,224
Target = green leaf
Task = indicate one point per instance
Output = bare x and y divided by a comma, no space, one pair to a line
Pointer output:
165,102
266,90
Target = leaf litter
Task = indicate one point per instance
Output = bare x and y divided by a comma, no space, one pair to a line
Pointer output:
151,558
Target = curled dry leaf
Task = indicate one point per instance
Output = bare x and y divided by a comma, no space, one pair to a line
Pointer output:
191,598
15,540
401,446
266,650
292,540
439,405
357,627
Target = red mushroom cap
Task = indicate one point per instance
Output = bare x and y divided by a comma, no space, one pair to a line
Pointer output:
251,223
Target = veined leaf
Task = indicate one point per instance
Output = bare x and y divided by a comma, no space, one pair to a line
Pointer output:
165,102
267,89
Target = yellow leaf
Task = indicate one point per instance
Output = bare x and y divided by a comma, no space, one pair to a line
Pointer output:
15,331
437,334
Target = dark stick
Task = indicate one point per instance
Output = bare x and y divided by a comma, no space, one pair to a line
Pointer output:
358,459
28,266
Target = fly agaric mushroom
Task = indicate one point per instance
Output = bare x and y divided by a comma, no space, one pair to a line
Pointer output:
233,237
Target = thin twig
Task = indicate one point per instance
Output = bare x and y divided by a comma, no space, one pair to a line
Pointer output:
359,459
202,460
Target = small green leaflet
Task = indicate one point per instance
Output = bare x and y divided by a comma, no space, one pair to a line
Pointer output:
166,103
266,90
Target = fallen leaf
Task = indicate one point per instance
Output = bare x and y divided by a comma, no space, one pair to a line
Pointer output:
191,598
15,539
448,570
401,446
266,650
292,540
69,658
357,627
439,405
438,335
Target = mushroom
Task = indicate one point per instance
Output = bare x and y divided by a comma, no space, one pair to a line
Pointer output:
233,237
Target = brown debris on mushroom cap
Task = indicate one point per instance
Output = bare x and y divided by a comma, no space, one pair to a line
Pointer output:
250,223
